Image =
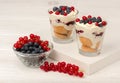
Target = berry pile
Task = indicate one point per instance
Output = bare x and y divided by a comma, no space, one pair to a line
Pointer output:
32,45
62,10
89,19
62,67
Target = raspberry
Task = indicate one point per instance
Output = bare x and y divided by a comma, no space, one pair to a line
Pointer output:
72,8
63,8
57,13
65,14
84,18
80,74
77,20
96,24
50,12
89,16
90,22
32,36
104,23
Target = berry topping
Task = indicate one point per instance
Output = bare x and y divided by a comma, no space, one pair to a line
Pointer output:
62,67
93,20
31,45
63,10
77,20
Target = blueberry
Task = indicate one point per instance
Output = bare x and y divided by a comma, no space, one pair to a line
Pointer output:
26,44
93,19
60,7
36,45
99,20
40,47
26,48
22,48
81,21
37,50
55,8
23,51
85,21
17,49
89,19
62,12
33,52
68,10
30,43
41,51
28,52
59,10
31,48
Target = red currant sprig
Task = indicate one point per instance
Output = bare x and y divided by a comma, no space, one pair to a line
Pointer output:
62,67
31,38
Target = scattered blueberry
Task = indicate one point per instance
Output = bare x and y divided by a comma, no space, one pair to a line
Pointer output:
63,10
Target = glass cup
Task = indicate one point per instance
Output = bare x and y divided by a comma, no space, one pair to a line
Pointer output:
90,37
63,26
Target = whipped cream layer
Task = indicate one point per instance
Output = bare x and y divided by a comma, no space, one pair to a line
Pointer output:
63,19
90,31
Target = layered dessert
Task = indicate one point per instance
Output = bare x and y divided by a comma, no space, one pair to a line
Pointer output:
62,20
90,32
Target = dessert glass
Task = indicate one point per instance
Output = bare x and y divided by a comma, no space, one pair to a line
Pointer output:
90,37
63,26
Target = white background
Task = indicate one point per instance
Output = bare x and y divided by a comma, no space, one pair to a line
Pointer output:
21,17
